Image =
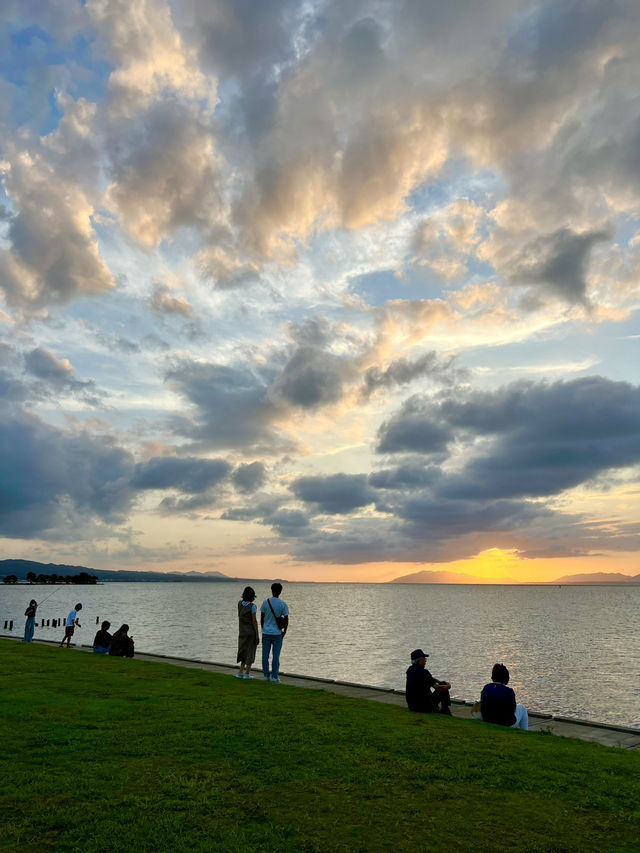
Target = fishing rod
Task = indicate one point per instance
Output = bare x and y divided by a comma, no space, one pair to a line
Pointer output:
49,596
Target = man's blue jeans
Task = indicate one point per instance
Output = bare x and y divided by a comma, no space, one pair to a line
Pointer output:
271,641
29,628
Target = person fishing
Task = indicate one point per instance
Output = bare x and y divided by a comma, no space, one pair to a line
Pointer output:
30,624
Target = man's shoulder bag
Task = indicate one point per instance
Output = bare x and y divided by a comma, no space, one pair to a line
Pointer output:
280,620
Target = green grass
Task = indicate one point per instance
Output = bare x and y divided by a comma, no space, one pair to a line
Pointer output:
108,754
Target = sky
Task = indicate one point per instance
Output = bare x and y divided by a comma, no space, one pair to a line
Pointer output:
321,290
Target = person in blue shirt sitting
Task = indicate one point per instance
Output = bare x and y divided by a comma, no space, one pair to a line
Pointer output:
498,702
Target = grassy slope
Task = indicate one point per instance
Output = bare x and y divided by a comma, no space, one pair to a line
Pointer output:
109,754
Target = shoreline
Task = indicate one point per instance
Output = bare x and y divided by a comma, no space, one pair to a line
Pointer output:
607,734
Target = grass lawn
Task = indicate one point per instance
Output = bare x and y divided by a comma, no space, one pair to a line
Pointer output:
109,754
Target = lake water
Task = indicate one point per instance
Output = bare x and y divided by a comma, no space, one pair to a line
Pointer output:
571,650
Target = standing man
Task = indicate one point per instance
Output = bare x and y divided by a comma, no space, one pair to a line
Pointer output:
274,621
424,692
70,624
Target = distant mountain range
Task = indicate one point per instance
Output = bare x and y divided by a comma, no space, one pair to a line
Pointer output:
453,577
20,568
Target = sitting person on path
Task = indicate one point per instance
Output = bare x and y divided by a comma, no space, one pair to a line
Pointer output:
248,637
498,702
121,643
30,624
424,692
70,625
102,640
274,621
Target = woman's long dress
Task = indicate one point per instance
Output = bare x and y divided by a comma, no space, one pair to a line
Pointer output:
247,639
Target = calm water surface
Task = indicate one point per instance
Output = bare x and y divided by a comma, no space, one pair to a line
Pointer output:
570,650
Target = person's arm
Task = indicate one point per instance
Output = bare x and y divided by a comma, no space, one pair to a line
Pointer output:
441,685
255,626
286,624
261,619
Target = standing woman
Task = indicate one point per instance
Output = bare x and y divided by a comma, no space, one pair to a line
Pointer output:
30,624
248,637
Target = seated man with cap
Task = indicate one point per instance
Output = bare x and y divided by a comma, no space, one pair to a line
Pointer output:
424,692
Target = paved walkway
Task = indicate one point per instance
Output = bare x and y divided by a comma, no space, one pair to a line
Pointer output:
608,735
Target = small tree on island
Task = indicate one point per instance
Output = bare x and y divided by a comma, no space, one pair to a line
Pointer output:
10,579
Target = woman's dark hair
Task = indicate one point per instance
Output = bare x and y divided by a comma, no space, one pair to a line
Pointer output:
33,601
106,625
249,594
276,588
500,673
78,607
123,629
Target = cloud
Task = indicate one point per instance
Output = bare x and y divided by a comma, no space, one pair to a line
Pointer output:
335,494
164,173
403,371
185,474
558,262
406,476
162,301
230,407
289,522
58,375
247,478
53,254
311,378
59,485
523,440
148,51
412,430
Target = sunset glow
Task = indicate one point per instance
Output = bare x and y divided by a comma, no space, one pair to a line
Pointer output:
321,291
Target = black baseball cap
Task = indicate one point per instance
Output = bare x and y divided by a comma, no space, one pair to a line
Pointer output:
416,654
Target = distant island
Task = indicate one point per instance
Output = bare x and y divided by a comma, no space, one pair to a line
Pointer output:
22,568
453,577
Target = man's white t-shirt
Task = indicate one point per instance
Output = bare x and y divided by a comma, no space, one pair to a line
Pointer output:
279,608
71,618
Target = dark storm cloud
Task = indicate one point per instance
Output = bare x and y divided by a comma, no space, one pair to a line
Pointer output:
55,484
189,475
558,262
249,477
336,494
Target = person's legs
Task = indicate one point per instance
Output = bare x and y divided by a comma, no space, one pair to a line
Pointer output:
522,719
29,629
266,648
442,701
275,664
